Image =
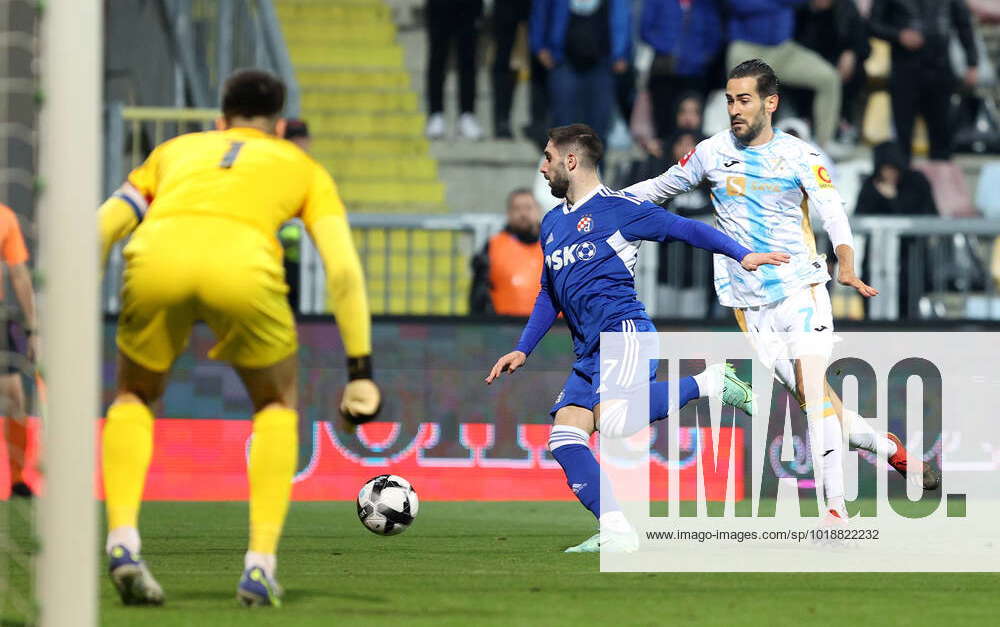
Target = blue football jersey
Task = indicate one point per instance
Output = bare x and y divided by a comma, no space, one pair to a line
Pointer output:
591,249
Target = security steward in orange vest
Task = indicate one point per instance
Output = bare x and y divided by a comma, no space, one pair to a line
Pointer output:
506,274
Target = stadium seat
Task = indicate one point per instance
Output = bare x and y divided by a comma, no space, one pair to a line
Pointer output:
951,191
988,190
849,177
879,62
876,127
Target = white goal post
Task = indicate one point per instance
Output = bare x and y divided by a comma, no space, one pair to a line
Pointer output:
70,165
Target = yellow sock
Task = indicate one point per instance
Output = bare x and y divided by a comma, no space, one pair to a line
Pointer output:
274,451
127,449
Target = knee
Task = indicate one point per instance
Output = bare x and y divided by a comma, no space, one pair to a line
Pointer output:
566,435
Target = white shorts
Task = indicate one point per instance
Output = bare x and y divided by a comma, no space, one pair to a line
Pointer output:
797,326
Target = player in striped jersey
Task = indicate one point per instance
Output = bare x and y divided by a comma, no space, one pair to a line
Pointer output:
765,184
591,245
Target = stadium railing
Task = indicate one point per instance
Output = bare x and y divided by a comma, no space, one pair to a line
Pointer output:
211,38
925,268
419,264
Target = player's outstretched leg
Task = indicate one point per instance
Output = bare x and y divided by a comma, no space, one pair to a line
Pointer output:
569,443
127,447
863,436
825,433
922,474
718,380
273,455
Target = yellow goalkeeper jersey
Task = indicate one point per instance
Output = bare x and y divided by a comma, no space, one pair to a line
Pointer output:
242,173
204,210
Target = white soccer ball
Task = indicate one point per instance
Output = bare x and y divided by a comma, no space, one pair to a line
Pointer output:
387,505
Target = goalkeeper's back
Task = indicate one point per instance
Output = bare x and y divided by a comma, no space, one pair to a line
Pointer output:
241,174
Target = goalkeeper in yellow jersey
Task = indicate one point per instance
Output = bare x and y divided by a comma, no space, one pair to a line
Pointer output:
203,211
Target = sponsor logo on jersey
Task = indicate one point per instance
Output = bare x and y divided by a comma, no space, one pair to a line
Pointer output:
729,164
774,165
736,185
576,487
549,240
585,224
584,251
684,160
562,395
822,177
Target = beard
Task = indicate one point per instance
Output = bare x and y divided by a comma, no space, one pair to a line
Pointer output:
558,185
751,131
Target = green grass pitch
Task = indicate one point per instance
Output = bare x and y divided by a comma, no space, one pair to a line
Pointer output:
497,564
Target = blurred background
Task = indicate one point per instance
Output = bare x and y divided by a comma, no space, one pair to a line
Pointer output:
430,113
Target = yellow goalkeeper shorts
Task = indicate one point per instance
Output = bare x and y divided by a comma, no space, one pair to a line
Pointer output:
180,270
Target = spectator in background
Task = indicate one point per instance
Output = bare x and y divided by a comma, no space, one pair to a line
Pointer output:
506,274
689,113
507,16
583,44
452,21
297,132
696,202
894,189
686,35
763,29
15,255
922,80
835,30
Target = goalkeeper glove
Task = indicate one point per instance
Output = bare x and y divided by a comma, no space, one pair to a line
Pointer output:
362,400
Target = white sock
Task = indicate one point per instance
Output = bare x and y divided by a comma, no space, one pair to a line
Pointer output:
710,381
266,561
125,536
615,522
863,436
833,462
827,448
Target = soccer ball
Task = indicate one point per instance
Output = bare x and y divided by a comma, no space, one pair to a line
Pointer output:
387,505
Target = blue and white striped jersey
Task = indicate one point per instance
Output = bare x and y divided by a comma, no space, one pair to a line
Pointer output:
760,196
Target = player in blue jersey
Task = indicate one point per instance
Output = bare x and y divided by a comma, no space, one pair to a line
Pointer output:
591,245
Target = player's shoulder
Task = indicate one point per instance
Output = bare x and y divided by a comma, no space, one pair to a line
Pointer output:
615,198
792,147
709,149
552,214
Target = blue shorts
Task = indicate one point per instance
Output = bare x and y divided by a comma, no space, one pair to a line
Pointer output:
584,381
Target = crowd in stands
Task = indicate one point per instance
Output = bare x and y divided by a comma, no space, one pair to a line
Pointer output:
584,61
660,65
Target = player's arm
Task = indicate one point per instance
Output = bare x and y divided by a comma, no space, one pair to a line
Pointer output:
24,292
15,254
826,201
543,315
124,211
682,177
326,220
117,218
651,223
